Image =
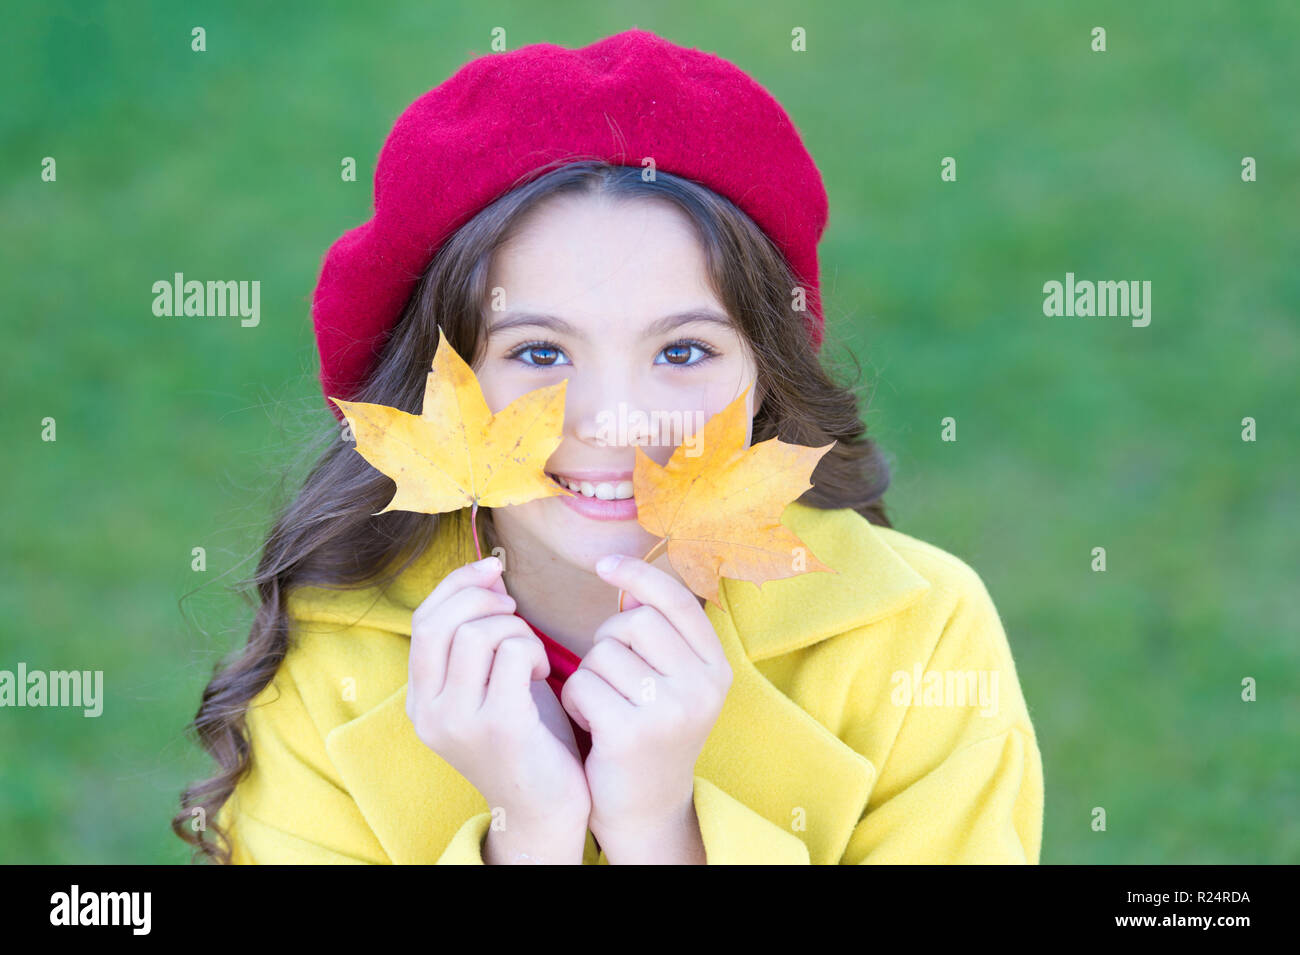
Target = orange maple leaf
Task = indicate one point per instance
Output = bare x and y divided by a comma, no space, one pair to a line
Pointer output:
719,512
455,453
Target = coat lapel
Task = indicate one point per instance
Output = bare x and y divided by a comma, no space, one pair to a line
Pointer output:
765,750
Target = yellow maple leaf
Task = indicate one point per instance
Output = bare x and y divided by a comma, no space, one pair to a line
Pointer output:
719,512
455,453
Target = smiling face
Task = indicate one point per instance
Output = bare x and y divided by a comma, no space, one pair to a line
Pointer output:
613,296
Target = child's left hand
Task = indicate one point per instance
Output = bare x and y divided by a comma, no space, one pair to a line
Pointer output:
649,691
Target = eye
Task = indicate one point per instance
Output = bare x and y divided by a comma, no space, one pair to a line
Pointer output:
529,348
685,345
550,352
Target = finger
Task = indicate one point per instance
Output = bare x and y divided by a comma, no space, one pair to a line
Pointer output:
591,701
652,586
623,668
519,660
553,717
469,664
486,574
571,702
498,577
431,637
647,632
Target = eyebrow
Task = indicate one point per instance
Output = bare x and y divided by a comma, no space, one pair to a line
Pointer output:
657,327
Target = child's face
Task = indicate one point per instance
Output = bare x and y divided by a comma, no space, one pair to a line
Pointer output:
610,270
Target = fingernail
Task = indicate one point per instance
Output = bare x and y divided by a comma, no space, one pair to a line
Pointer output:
489,563
607,563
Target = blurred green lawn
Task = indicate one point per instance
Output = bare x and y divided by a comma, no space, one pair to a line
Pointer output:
1072,433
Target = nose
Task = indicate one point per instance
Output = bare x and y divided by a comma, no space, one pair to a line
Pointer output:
611,411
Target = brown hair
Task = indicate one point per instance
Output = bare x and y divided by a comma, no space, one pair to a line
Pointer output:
329,534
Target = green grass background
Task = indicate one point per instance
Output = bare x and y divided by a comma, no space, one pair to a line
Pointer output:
1072,433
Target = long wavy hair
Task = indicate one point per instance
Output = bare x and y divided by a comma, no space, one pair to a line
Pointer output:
329,534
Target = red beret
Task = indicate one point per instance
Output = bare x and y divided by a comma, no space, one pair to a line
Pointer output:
502,117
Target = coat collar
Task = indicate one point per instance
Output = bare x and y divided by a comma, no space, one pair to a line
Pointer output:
765,750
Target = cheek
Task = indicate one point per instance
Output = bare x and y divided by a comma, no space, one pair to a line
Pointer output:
720,395
499,390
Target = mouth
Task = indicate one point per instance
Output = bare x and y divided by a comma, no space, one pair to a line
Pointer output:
606,490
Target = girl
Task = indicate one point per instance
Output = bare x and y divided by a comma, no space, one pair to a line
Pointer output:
640,220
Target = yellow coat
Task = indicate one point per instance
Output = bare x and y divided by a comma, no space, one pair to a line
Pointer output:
817,756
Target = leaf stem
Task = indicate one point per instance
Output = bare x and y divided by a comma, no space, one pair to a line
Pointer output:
662,543
473,526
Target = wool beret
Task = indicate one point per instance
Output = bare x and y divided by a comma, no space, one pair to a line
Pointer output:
504,117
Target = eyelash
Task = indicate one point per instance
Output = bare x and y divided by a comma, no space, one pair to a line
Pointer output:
529,346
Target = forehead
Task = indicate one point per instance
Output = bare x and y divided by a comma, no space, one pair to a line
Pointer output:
588,257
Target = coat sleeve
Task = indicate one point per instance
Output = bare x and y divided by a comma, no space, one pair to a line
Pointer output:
291,807
734,834
466,846
963,781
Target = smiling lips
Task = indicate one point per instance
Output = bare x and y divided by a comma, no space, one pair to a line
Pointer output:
604,485
599,495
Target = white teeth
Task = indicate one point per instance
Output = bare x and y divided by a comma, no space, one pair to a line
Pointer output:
604,490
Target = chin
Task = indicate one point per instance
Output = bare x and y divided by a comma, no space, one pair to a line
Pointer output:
588,541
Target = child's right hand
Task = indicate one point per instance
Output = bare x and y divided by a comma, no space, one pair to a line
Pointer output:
473,699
